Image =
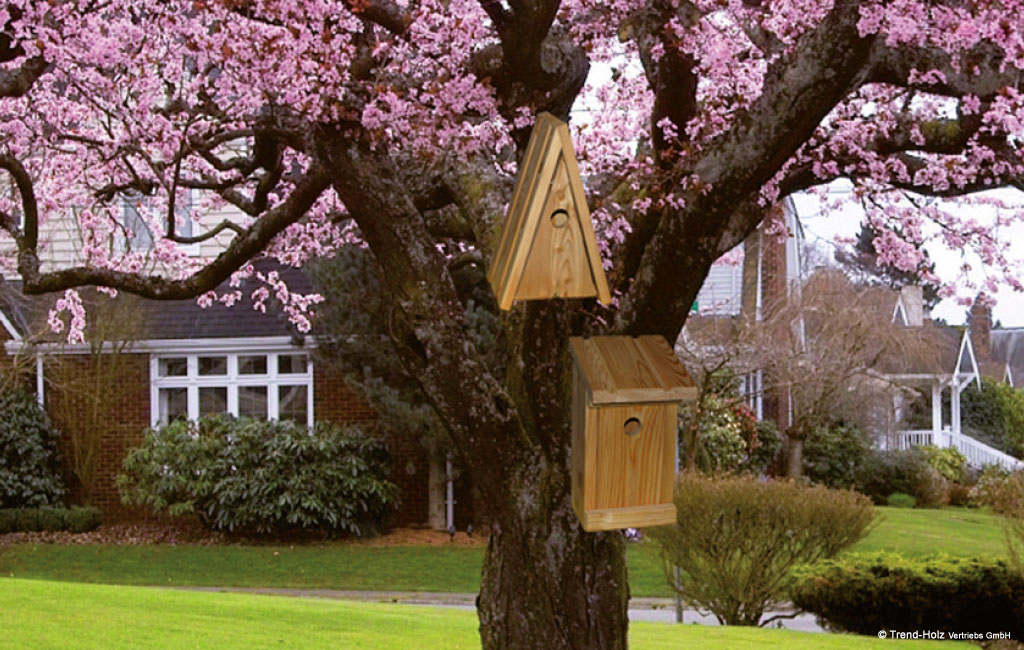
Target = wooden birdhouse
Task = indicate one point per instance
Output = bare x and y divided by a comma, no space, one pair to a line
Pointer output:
625,395
547,247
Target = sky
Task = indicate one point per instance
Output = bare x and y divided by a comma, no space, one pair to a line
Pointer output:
823,227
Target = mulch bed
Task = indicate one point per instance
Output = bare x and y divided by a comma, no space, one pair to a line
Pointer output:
191,532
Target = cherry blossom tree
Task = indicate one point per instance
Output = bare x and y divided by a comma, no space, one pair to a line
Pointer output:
397,124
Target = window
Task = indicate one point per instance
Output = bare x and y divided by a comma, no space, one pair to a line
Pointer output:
140,235
273,385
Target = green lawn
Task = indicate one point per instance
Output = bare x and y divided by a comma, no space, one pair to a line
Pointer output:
914,532
452,569
66,616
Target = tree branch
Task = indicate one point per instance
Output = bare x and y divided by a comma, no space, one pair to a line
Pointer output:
248,244
799,91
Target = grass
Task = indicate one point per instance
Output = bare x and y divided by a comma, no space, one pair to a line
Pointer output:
954,531
450,569
52,615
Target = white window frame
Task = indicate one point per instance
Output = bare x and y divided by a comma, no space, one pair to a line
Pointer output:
137,243
192,381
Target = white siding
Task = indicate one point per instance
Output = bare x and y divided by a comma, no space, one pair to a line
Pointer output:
722,291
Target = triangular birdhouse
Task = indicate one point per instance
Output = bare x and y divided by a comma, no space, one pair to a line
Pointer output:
548,248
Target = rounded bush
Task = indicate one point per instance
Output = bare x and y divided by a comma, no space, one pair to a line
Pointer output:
865,595
884,472
29,460
254,475
738,537
834,454
82,520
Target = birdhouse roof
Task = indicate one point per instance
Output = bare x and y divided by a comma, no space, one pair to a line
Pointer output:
548,248
631,369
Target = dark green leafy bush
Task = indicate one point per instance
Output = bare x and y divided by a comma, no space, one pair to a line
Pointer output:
865,595
834,454
52,519
33,520
884,472
261,476
29,461
729,437
738,537
27,520
900,500
82,520
8,521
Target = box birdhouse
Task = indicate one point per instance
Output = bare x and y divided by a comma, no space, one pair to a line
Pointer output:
625,395
547,247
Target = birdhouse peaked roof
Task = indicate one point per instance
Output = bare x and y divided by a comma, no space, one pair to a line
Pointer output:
628,370
547,247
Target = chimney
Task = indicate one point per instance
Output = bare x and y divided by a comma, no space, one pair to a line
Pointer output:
980,322
913,304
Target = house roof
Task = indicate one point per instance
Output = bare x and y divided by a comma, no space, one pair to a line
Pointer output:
165,319
1007,346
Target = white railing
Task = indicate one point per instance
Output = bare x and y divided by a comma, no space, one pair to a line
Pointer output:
978,454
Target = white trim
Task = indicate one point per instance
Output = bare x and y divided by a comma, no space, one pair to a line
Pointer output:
900,309
241,344
965,344
40,384
232,380
9,327
1008,375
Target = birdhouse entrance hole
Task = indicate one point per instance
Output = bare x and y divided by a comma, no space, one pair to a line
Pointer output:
560,218
632,427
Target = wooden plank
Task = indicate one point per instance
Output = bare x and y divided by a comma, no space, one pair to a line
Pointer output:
528,181
619,518
626,370
526,178
533,204
666,365
631,469
579,198
557,264
668,457
579,450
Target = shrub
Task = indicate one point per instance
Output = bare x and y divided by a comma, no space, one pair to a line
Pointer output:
763,446
8,521
865,595
948,461
834,454
27,520
907,471
931,489
901,500
729,437
263,476
52,519
29,462
959,495
82,520
31,520
738,537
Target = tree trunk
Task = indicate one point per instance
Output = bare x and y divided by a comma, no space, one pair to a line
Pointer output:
547,584
691,435
794,456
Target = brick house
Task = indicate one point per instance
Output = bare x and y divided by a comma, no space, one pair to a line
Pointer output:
186,361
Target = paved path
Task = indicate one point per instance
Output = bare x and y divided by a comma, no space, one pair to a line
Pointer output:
659,610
